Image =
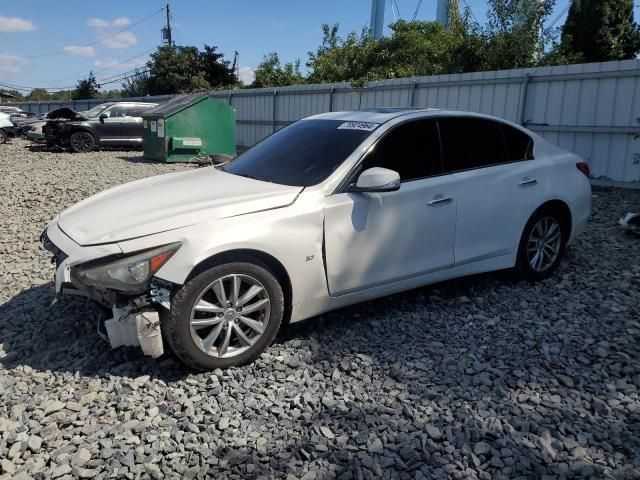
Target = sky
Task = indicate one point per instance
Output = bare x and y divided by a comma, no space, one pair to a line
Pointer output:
53,44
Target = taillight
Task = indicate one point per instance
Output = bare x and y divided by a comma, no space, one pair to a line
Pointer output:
584,168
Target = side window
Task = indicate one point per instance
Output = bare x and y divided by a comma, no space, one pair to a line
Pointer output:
471,143
519,144
136,111
115,112
411,149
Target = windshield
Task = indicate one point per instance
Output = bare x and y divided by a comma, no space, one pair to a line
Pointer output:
302,154
95,111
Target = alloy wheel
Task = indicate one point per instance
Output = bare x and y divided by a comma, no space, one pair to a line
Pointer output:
545,241
82,142
230,315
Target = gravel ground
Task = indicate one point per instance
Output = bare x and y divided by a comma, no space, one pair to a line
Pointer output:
474,378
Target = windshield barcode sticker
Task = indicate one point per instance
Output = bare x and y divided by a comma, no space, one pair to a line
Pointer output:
368,126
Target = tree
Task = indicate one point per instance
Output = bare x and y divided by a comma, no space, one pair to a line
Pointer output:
38,94
514,37
600,30
136,85
271,74
86,88
217,70
414,48
174,69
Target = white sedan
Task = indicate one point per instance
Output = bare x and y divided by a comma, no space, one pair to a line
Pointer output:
335,209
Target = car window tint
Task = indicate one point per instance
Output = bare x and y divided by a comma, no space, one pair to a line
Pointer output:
519,144
412,149
116,111
471,143
137,111
302,154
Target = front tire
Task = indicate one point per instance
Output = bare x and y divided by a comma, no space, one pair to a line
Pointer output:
226,316
82,142
542,245
3,136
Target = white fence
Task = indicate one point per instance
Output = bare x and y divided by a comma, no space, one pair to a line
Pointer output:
589,108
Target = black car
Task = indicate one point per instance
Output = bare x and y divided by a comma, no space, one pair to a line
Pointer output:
114,124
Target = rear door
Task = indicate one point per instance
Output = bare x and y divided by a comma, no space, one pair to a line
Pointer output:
373,239
497,185
133,123
112,128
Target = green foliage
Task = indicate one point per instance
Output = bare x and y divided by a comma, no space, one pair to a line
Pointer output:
86,88
513,35
6,94
38,94
136,85
271,74
184,70
600,30
511,39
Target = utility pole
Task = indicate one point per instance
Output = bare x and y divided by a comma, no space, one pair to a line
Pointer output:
377,18
168,27
442,13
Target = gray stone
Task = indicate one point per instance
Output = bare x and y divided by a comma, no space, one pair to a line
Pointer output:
34,443
433,431
61,470
7,466
481,448
81,458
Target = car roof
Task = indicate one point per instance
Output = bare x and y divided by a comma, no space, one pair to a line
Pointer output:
378,115
383,115
137,104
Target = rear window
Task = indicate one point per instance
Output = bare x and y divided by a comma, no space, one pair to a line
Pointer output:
302,154
138,110
469,143
519,144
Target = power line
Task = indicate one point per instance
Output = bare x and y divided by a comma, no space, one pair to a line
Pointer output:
82,75
123,75
415,14
557,19
139,72
60,52
470,11
397,9
110,79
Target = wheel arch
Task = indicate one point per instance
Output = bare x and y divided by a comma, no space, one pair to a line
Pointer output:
83,128
562,209
257,257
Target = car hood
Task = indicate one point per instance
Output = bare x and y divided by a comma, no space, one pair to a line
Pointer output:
168,202
65,113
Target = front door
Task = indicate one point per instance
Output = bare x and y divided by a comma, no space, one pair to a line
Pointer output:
112,129
373,239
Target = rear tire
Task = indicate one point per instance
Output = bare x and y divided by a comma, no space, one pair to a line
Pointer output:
82,142
212,326
542,245
3,136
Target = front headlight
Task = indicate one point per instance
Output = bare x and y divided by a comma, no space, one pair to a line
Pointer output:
130,274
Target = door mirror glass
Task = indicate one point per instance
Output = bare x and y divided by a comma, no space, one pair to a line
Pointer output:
377,179
102,117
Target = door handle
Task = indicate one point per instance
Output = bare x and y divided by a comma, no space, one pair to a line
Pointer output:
527,181
440,200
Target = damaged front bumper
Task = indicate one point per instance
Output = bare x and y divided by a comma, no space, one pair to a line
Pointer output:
135,317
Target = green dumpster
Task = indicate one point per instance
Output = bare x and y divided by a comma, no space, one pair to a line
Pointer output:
188,126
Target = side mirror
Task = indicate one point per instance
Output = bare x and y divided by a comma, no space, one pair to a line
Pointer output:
102,117
377,179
